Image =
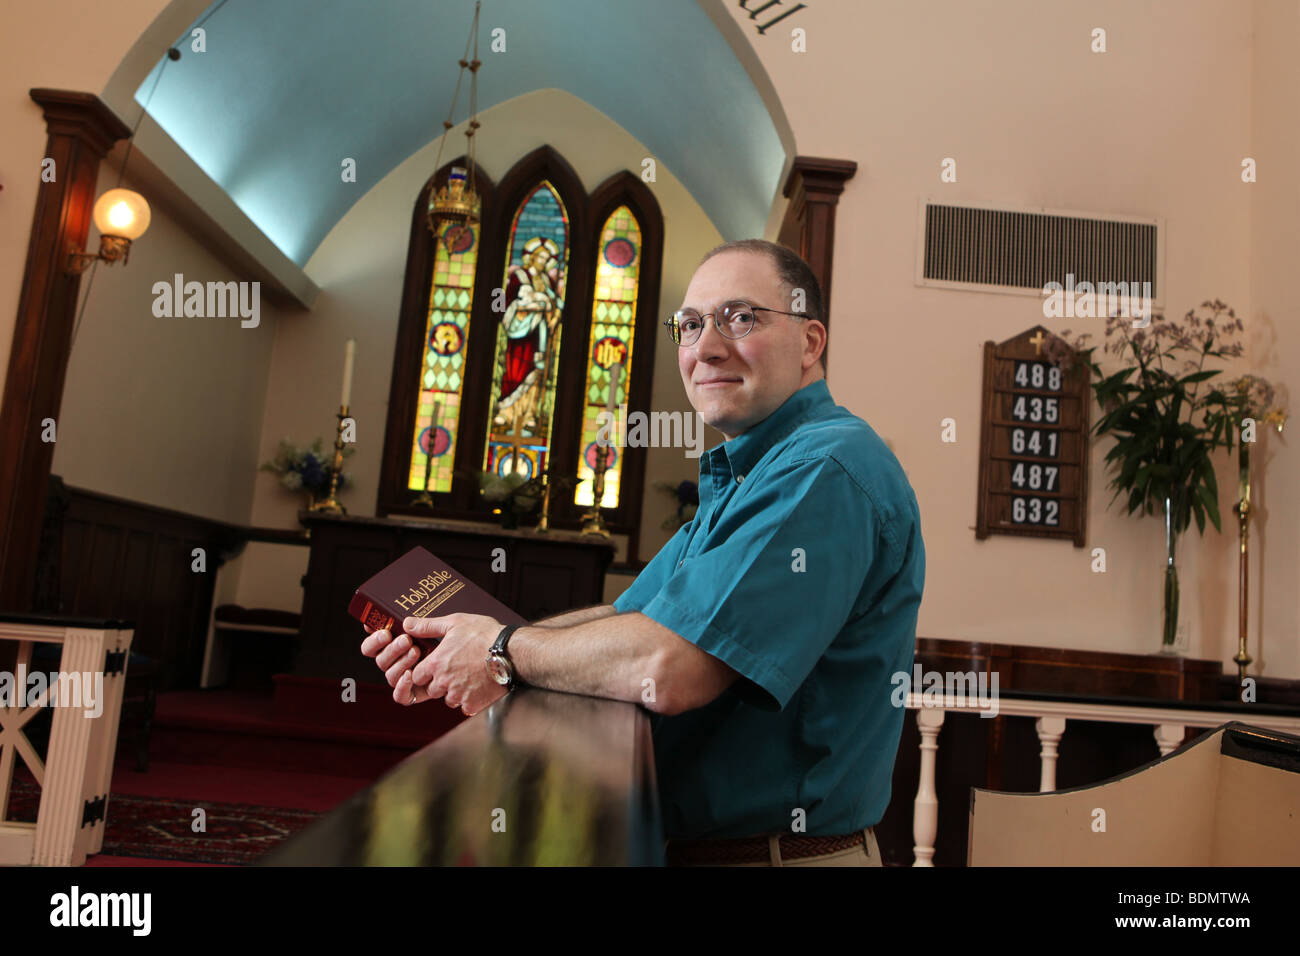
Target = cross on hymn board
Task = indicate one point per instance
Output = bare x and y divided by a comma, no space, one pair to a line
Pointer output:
1033,464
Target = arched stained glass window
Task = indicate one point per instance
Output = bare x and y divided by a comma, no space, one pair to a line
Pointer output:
613,322
442,377
511,396
528,337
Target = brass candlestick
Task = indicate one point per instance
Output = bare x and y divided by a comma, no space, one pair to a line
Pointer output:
331,504
424,497
1242,658
592,523
544,522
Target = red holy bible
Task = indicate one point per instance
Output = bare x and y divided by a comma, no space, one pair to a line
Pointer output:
419,585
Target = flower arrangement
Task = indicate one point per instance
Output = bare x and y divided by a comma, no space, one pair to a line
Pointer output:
687,495
1165,427
307,469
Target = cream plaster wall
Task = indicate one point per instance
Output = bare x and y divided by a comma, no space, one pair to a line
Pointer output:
1156,126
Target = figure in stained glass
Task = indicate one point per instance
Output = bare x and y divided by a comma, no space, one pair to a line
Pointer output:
535,296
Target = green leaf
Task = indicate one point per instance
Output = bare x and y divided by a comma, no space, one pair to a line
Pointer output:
1213,508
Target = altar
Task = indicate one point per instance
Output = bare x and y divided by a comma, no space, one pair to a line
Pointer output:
536,574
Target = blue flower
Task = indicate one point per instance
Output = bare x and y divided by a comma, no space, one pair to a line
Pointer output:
313,475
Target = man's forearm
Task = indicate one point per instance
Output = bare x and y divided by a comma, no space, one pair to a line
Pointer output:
580,616
609,657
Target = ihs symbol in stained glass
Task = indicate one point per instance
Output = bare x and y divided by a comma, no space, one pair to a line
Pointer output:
609,351
446,338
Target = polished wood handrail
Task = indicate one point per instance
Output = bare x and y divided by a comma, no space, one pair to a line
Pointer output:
540,778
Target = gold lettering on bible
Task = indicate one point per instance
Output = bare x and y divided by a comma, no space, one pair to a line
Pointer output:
428,594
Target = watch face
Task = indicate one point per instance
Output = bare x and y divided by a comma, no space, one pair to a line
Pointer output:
499,670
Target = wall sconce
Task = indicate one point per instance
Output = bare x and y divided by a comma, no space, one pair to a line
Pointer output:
121,215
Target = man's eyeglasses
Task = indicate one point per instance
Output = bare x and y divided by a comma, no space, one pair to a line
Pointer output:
735,320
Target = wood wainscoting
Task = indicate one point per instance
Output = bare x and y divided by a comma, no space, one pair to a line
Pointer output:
103,556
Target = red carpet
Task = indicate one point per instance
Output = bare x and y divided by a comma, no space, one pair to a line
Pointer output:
260,769
160,828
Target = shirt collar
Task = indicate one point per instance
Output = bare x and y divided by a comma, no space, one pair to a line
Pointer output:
744,451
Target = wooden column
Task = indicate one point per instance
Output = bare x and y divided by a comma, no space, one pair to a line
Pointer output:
813,188
81,130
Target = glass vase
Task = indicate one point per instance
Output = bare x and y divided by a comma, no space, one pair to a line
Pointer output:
1169,632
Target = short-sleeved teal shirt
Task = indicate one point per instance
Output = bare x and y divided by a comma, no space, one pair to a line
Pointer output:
802,570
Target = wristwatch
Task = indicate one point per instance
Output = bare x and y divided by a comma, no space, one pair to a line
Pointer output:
498,661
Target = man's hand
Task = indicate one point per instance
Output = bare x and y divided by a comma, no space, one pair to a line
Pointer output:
395,658
456,669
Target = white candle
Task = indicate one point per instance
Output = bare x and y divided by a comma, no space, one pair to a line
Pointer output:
348,355
614,373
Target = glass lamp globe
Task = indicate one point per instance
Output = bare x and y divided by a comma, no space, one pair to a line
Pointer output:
121,213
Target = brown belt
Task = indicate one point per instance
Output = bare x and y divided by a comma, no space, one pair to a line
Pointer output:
756,849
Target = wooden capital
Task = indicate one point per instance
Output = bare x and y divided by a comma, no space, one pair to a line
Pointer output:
813,188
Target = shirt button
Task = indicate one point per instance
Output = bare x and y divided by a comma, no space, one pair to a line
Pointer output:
680,563
739,479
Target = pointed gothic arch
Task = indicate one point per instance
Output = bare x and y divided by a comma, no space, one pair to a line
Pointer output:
471,390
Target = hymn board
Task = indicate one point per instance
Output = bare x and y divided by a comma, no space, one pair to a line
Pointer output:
1033,465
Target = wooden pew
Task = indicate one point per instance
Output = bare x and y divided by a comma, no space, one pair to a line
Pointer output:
1227,798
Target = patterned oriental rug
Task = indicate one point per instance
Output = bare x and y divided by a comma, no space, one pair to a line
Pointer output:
162,829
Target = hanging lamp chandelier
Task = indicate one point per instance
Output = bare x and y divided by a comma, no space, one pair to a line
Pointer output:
456,207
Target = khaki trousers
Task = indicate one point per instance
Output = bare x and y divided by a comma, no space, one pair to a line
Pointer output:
858,855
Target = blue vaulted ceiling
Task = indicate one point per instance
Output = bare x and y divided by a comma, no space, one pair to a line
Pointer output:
287,88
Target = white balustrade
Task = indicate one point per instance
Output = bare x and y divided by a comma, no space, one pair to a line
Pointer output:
75,776
1169,727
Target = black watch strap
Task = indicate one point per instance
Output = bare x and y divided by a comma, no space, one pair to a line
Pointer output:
499,650
504,638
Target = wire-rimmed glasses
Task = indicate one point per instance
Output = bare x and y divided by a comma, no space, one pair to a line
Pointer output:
734,320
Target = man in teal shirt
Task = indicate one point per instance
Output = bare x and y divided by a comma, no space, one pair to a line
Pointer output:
771,625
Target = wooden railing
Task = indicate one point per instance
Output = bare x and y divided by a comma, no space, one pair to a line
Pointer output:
541,778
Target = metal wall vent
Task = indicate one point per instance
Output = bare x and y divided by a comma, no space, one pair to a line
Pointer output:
1006,250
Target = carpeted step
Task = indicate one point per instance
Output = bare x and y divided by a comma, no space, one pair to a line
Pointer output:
306,727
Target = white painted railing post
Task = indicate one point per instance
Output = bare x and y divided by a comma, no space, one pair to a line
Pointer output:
76,775
1169,726
925,809
1168,737
1050,731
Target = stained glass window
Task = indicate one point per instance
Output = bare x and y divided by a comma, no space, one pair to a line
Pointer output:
524,372
443,373
613,320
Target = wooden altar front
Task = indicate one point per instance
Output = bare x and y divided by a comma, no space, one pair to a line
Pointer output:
537,575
